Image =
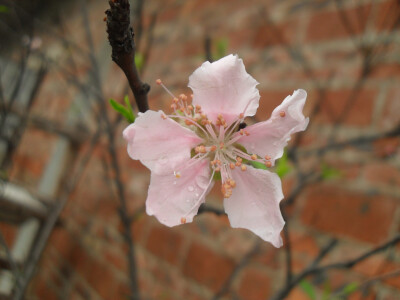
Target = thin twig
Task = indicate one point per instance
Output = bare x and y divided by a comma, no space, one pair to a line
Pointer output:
312,270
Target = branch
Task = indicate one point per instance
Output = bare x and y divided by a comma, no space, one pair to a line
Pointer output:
120,36
353,142
313,269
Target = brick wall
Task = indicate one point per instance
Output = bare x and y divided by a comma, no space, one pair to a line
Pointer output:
348,62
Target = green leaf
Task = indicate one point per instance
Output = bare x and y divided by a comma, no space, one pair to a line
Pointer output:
328,172
122,110
326,291
258,165
350,288
282,166
130,109
4,9
222,46
139,61
308,289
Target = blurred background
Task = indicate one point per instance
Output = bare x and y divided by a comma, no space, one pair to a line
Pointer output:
72,202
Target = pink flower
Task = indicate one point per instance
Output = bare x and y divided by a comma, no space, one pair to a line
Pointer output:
184,150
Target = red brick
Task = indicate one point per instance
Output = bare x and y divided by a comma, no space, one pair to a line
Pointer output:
206,266
254,285
116,258
365,295
388,12
371,266
392,268
334,103
269,101
271,35
268,256
382,173
303,244
9,232
386,147
297,294
390,117
328,25
367,218
166,243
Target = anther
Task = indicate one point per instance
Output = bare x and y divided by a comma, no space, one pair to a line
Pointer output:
246,133
183,220
175,100
188,122
267,157
213,148
164,117
158,81
178,174
282,114
241,116
232,166
190,107
241,132
243,168
268,164
239,159
254,157
221,145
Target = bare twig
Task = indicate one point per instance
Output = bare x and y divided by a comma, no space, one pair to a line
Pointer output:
120,36
313,269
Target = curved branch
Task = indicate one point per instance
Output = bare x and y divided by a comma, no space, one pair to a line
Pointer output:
121,38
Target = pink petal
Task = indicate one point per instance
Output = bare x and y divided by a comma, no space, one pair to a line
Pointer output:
254,204
224,87
271,137
170,199
157,142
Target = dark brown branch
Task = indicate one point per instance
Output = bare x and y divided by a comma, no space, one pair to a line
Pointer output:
121,38
313,269
358,141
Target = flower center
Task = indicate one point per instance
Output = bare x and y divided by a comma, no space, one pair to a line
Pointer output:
219,144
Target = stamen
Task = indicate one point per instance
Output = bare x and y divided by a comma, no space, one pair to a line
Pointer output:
159,82
177,174
183,220
232,166
267,157
243,168
282,114
268,164
254,157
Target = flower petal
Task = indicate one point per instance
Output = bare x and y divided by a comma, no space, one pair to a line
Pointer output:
224,87
170,199
271,137
156,141
254,204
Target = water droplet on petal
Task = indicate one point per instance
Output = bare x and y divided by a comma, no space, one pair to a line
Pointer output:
190,188
197,195
175,182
